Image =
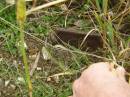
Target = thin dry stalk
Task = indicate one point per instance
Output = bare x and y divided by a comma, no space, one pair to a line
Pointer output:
87,36
45,6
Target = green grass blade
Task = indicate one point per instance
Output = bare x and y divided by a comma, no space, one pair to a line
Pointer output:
98,2
21,17
105,6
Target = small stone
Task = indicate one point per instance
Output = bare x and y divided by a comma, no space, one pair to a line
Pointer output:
15,63
39,68
20,80
78,23
1,59
45,54
48,79
7,83
56,78
13,87
33,57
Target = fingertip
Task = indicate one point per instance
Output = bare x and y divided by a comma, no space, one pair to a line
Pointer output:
120,72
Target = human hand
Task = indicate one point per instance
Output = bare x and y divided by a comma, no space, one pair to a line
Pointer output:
100,80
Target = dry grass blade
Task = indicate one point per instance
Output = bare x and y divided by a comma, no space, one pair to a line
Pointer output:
87,36
124,13
45,6
123,52
61,74
35,64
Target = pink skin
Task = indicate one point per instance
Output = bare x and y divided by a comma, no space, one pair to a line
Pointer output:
100,81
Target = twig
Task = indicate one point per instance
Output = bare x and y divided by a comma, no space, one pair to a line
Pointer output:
45,6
